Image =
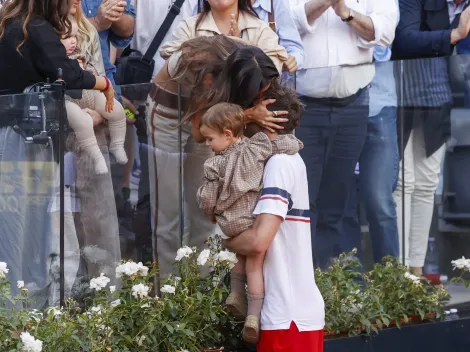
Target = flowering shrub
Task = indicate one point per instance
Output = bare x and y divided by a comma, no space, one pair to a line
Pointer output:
368,302
464,266
189,316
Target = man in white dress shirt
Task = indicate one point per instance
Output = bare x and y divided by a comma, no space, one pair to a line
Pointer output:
339,37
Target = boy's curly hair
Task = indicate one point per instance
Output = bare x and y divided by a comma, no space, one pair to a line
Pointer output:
288,100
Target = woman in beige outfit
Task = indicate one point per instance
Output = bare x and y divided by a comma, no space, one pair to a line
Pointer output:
232,18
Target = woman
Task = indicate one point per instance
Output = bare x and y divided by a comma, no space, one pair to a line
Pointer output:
235,18
37,26
208,70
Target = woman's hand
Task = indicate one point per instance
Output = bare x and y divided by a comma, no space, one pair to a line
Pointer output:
290,65
109,94
95,116
267,119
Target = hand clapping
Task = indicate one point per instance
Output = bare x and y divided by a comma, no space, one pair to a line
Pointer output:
111,11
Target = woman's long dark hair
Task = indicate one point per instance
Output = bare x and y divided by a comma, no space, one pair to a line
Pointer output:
240,72
203,8
55,12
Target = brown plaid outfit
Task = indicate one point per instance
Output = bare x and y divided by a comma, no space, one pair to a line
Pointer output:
233,180
88,99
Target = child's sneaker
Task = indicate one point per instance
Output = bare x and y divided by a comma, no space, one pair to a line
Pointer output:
237,304
251,329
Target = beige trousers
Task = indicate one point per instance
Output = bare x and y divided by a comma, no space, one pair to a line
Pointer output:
421,180
171,228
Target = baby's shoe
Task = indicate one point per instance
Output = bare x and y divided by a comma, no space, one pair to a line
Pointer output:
251,329
237,304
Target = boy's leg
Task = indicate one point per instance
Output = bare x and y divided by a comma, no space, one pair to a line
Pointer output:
82,125
117,126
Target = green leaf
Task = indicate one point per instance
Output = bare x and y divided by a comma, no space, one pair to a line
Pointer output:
188,332
169,328
386,321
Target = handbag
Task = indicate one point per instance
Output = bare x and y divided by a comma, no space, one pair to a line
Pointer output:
137,68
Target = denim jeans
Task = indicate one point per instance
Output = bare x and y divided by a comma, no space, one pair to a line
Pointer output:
333,134
377,181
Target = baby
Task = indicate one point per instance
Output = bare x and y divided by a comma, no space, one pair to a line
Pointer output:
82,123
231,189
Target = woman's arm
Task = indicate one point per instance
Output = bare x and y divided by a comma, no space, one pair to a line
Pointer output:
50,56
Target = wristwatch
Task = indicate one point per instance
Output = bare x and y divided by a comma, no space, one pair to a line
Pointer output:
350,18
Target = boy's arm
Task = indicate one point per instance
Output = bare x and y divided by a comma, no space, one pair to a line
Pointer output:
257,239
271,210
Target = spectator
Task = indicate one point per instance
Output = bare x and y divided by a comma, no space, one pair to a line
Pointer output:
235,18
114,20
280,12
343,34
428,29
150,16
379,164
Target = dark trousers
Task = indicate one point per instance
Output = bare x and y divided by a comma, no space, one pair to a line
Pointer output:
333,132
379,164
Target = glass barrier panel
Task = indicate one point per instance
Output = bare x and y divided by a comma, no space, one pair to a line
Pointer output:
29,236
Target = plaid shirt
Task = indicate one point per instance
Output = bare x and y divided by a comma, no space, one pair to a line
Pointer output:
233,180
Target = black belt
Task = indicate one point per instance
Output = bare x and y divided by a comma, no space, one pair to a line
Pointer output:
339,102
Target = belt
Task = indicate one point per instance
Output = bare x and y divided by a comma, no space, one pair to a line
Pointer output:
166,98
339,102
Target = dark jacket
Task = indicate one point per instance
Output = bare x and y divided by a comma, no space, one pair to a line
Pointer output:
41,57
423,35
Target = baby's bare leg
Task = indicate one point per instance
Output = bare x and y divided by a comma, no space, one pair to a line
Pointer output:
82,125
117,126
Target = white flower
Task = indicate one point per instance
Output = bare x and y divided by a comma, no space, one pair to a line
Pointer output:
30,344
168,289
183,252
203,257
36,315
115,303
55,311
96,310
20,284
462,264
140,291
131,269
112,289
141,340
146,305
413,278
3,270
227,256
99,283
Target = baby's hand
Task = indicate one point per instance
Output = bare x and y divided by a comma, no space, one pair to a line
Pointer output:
109,94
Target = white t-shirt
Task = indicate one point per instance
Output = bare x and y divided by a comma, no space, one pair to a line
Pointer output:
290,290
149,18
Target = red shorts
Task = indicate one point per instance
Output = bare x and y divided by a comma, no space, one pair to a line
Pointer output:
291,340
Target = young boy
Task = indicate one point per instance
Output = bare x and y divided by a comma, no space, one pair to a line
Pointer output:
293,314
231,189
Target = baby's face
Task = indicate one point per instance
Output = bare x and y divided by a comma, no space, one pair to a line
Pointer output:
70,43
